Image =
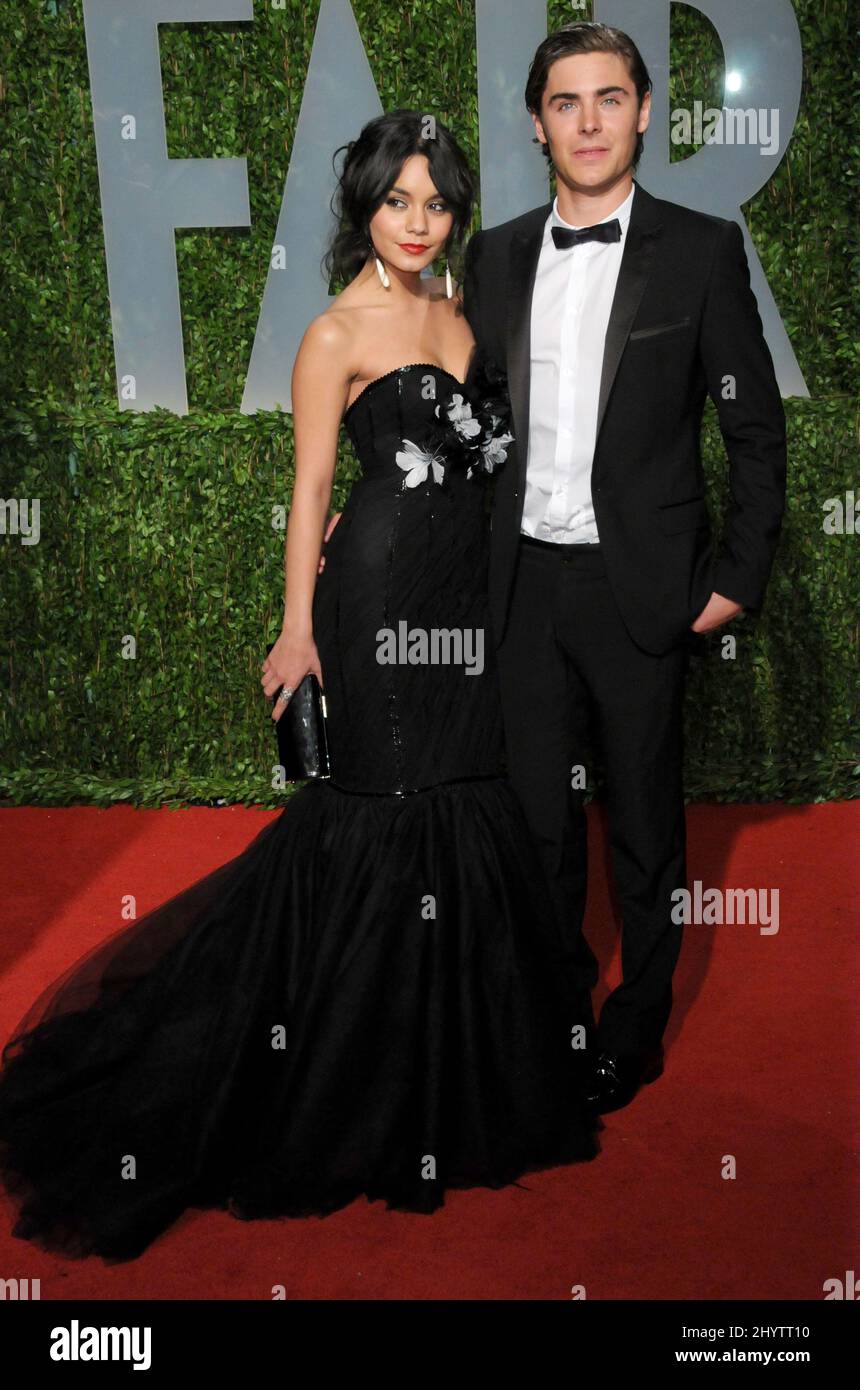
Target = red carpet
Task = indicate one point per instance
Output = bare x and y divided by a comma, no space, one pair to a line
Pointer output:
761,1065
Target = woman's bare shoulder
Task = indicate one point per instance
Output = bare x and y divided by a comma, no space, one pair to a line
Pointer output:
346,316
329,339
324,366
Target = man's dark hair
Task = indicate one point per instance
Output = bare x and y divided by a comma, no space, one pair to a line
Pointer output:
585,37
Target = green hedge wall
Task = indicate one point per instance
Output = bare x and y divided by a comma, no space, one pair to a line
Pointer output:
161,527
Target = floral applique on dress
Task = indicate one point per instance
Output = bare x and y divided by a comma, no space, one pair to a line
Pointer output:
470,431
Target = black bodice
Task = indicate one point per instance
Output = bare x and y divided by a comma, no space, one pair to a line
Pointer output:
400,611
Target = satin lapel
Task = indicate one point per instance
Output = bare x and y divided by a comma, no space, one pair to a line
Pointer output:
637,263
522,270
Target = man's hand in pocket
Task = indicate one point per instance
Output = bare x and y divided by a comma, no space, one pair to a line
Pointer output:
717,610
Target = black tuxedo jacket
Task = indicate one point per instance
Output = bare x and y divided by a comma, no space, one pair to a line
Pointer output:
683,319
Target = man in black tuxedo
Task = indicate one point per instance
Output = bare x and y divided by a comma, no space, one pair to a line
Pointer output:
615,313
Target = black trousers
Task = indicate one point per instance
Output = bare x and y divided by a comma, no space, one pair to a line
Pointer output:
569,668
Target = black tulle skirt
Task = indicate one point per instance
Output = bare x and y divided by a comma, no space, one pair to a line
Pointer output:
367,1000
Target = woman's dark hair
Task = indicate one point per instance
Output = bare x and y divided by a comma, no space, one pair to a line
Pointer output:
371,167
585,37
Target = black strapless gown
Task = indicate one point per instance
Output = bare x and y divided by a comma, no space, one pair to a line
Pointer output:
366,1000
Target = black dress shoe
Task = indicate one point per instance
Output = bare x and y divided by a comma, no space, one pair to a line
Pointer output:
616,1078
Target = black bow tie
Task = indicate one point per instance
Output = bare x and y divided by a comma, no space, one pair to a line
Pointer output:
602,231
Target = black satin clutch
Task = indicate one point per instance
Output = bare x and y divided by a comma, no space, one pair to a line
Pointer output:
301,732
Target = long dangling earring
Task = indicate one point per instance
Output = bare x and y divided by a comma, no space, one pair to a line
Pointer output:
449,288
380,268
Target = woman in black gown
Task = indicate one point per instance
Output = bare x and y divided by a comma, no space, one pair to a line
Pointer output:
367,1000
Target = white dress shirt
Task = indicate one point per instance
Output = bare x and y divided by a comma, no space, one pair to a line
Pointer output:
573,294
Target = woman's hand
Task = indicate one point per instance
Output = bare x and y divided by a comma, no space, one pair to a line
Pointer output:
289,661
332,522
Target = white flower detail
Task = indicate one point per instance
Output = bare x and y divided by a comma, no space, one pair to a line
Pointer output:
495,450
459,412
415,462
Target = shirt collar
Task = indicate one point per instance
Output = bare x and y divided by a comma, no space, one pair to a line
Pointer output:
622,213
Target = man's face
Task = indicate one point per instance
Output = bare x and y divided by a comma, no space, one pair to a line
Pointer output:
591,116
